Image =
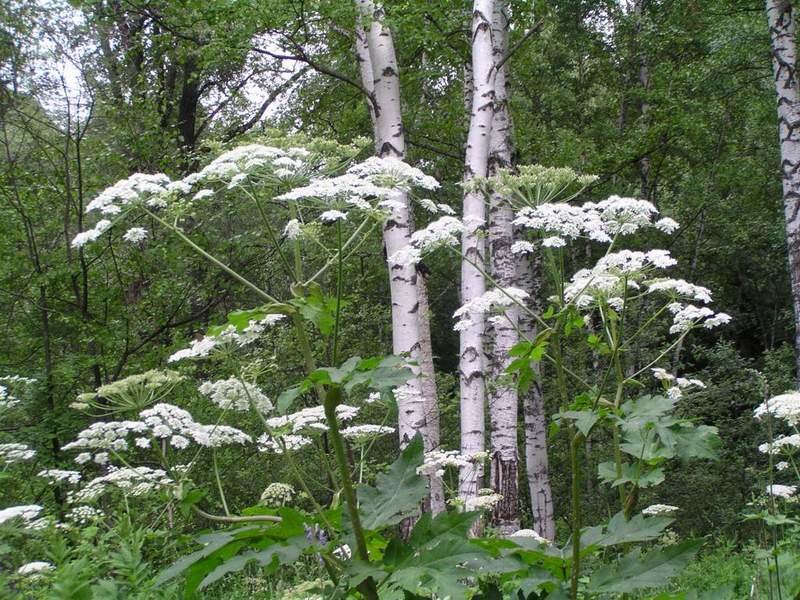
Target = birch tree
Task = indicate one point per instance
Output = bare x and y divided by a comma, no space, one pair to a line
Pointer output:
784,55
471,340
417,401
502,393
537,468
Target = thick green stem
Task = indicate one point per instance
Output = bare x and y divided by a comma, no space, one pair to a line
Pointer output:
235,519
219,482
577,517
332,400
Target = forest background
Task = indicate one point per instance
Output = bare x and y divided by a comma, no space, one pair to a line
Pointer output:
671,101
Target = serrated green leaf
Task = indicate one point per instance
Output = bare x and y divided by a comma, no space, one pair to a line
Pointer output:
397,493
634,572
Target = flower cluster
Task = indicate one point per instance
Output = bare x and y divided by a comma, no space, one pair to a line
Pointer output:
436,461
14,453
310,419
132,481
235,166
686,316
277,494
83,515
291,442
161,422
134,392
485,500
232,394
529,534
498,298
559,222
359,434
55,476
674,386
439,233
782,444
393,173
784,406
202,348
26,513
35,569
536,184
659,509
781,491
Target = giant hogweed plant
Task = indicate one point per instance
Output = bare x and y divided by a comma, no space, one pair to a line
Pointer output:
305,199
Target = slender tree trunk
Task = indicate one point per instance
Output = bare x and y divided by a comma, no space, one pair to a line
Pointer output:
502,393
418,411
537,467
643,164
473,285
784,55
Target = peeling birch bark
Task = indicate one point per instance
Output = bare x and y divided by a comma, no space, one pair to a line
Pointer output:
502,393
782,28
537,467
471,347
418,409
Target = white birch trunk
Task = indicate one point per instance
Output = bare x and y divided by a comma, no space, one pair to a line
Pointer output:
502,392
784,59
471,347
410,328
537,468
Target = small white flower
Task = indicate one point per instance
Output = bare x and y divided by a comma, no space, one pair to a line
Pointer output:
554,242
203,194
529,533
135,235
35,568
667,225
781,491
292,231
331,216
659,509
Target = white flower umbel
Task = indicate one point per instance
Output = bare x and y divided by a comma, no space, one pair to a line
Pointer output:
436,461
659,509
137,187
529,534
784,406
342,188
35,568
680,289
601,221
197,349
391,172
55,476
135,235
310,419
485,501
687,316
83,515
293,230
14,453
781,491
331,216
781,444
497,299
292,443
136,481
91,235
277,494
26,513
359,434
232,394
444,231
